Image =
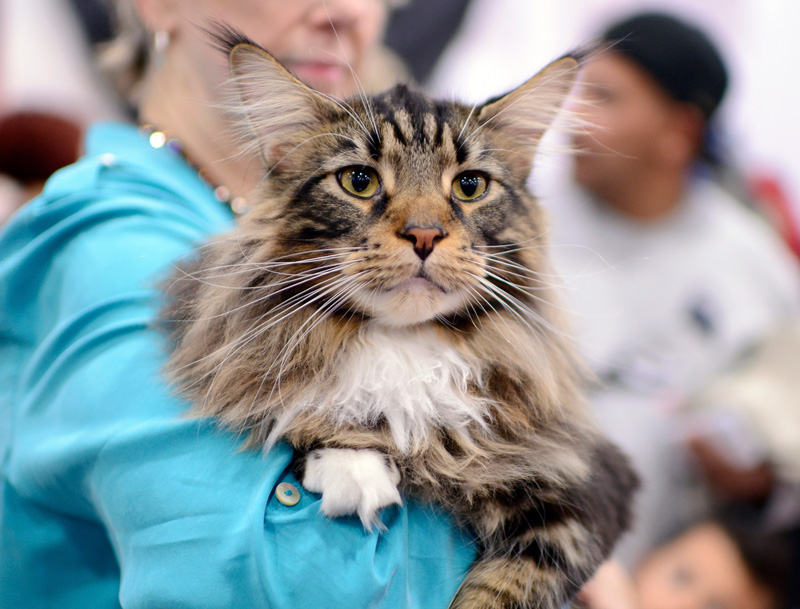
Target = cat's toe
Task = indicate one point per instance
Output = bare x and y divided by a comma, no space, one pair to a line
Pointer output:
351,481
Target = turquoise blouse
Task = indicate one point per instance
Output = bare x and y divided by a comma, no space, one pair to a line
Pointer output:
109,496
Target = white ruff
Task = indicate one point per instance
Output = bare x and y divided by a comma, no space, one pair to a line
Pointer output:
406,376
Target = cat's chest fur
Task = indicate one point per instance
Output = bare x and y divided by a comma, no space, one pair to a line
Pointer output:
409,378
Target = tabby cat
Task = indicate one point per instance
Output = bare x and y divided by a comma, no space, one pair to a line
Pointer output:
386,308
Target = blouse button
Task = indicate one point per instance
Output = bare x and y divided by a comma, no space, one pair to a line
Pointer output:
287,494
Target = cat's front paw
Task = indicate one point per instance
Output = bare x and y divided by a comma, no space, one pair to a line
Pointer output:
352,482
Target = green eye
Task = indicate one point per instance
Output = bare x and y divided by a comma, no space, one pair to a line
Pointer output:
469,186
361,182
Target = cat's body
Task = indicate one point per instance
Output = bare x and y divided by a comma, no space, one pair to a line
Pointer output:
386,308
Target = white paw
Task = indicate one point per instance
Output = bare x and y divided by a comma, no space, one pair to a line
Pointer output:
352,482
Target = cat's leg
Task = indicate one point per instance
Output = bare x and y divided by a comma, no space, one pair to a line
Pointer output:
541,545
350,467
352,481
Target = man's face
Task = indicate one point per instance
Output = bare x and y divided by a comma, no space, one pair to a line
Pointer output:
701,569
628,121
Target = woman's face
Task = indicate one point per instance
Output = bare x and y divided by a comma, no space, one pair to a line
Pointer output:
320,41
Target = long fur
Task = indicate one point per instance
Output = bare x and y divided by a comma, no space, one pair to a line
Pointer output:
407,380
319,321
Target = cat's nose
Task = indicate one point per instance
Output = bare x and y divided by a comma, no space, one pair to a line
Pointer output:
424,238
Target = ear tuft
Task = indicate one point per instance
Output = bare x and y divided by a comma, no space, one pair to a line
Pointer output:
277,110
225,38
526,113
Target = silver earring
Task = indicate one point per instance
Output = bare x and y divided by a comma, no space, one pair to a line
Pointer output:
160,46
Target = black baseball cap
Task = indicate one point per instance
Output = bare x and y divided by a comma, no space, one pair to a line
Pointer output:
679,56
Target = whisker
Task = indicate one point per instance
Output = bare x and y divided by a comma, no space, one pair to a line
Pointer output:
507,271
254,266
487,302
518,248
509,244
521,310
260,324
363,97
359,85
292,281
349,248
529,291
546,280
511,264
466,122
316,318
477,302
254,332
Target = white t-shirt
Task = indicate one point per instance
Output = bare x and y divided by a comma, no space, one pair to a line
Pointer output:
659,308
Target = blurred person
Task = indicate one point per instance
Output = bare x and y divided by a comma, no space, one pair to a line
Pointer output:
744,433
109,495
714,563
670,276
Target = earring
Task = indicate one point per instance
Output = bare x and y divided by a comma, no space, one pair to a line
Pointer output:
160,46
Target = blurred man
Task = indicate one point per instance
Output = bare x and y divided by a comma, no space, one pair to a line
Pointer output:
670,276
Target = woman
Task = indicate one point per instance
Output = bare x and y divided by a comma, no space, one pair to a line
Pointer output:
111,497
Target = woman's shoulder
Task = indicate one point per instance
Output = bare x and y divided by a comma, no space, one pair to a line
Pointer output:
106,225
123,171
121,192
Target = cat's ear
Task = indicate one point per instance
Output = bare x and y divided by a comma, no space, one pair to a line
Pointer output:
528,111
278,109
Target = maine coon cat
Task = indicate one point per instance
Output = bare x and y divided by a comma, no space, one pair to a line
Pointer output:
386,308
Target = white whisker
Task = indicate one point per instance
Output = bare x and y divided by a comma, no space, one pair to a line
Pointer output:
466,122
362,93
254,332
522,311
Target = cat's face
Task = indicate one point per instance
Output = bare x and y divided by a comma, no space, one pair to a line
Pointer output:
412,209
406,209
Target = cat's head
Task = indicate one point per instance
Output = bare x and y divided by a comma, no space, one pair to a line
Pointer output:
406,209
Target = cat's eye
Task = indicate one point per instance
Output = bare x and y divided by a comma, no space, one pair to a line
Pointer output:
469,186
360,182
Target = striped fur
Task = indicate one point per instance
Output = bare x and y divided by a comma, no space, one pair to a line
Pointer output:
319,321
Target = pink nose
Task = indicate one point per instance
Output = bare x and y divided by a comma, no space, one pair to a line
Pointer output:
423,238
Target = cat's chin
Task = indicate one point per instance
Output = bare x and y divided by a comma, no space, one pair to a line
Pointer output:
412,302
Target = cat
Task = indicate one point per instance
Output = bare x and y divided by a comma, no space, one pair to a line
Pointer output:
386,308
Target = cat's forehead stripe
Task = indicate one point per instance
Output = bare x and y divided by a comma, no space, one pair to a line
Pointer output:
402,120
408,119
430,127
